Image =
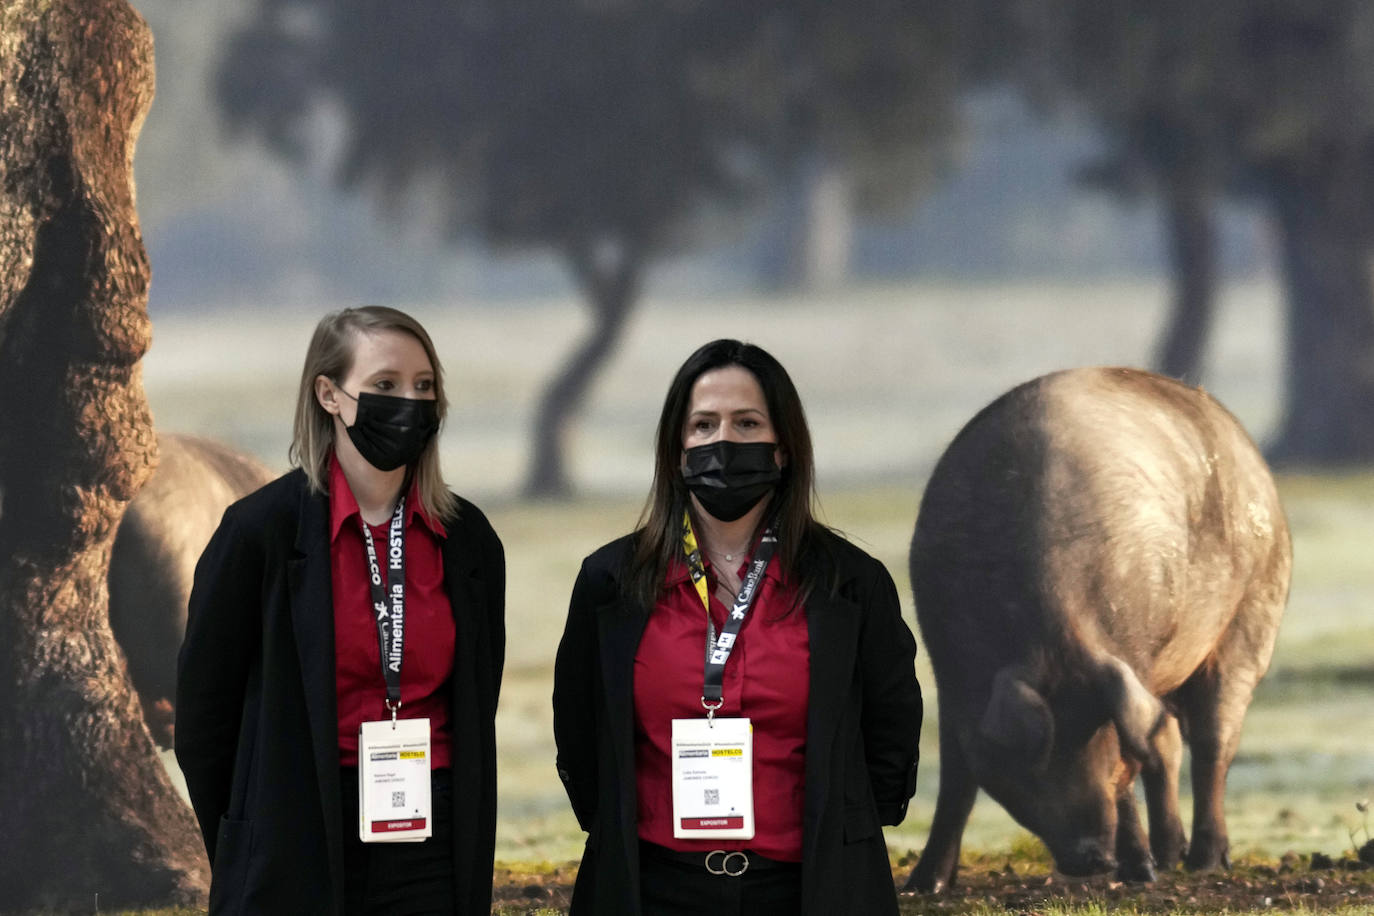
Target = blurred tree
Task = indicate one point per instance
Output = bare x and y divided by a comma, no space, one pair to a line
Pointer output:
1140,76
858,111
609,131
89,813
1307,138
1271,100
1141,71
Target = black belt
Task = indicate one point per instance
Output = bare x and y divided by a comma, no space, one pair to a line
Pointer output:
725,862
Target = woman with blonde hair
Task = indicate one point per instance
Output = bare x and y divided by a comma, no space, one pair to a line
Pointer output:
337,686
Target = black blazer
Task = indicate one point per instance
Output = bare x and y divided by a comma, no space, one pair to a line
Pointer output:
257,727
862,729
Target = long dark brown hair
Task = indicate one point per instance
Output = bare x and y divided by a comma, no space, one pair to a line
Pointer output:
801,551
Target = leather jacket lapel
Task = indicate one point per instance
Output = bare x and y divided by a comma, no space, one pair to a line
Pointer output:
312,618
620,625
833,630
465,588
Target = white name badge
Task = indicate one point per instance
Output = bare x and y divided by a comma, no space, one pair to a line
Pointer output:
713,779
393,781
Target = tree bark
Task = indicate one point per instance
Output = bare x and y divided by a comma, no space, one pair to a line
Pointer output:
86,805
1328,415
1191,236
609,276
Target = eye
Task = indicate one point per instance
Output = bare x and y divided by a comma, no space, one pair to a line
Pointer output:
383,384
425,384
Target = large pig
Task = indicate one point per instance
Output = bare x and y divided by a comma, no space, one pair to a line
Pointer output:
159,540
1100,558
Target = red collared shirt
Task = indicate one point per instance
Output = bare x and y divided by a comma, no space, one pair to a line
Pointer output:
427,656
767,679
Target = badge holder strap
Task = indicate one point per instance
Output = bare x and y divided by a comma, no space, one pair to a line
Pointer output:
718,648
389,606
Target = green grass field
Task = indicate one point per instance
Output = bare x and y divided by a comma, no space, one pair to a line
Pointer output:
1306,757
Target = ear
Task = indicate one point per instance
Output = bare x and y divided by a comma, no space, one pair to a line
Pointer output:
326,395
1138,714
1018,718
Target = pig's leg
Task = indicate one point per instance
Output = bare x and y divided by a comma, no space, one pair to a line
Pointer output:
1160,777
1217,696
1132,855
940,859
1213,737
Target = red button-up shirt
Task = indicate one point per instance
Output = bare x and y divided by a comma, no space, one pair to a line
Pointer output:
767,679
427,655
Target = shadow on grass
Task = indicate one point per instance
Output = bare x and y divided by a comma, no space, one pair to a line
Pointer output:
1285,679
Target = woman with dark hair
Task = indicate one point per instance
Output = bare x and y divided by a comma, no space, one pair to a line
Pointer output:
735,704
337,685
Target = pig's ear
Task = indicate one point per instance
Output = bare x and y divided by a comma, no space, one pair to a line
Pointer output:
1018,718
1138,714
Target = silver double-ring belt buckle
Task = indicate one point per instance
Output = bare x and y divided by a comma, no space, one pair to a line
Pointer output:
727,860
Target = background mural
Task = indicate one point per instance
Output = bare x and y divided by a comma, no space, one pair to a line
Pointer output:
915,206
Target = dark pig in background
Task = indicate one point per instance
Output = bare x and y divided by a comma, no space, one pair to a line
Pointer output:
1100,558
161,537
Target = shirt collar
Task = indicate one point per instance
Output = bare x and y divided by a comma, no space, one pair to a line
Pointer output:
343,505
678,572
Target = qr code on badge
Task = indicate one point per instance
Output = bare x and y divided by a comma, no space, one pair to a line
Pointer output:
398,799
713,796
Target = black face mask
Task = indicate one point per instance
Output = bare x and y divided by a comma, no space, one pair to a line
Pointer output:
729,478
390,432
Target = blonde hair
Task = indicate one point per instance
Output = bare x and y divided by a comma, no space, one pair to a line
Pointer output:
331,354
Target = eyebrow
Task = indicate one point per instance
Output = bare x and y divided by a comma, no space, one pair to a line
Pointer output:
716,413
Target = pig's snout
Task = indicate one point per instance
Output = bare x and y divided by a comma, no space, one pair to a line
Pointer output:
1087,858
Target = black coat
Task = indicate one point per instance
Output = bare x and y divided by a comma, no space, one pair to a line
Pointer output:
862,729
257,727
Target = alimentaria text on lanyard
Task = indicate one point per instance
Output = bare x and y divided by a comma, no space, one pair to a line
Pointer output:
718,647
389,604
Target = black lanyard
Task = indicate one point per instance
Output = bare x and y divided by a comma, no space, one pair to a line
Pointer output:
389,605
718,648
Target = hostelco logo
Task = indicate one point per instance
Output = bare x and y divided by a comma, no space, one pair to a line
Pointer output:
395,556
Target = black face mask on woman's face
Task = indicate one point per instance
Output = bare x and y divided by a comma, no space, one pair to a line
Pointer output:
729,478
390,432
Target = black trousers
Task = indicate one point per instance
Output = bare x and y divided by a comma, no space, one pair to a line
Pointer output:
399,879
672,884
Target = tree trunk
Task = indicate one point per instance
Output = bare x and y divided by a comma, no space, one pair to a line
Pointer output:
86,805
609,277
1329,373
815,229
1191,237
